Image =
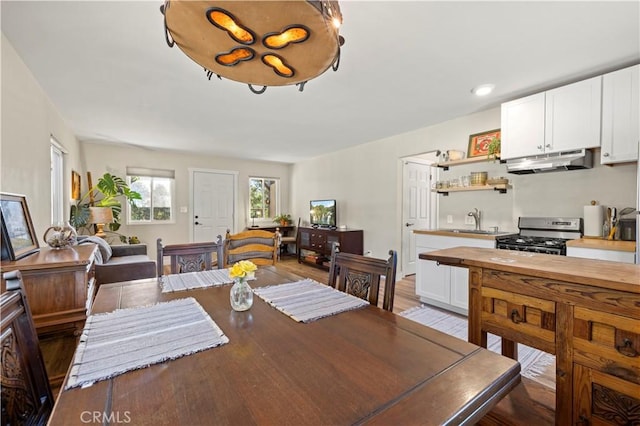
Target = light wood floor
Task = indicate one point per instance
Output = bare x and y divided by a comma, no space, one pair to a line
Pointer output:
405,296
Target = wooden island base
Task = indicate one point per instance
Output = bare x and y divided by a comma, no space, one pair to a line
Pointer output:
526,403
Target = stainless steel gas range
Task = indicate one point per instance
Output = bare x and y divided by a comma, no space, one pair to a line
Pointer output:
542,235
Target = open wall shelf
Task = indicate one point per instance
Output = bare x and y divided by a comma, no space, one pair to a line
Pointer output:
501,188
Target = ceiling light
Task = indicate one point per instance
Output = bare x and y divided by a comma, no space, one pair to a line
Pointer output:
483,89
260,43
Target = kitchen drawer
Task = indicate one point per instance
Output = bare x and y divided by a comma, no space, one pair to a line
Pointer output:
607,342
601,399
525,319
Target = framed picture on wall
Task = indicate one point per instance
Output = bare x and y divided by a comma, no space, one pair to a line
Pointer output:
18,236
75,185
479,143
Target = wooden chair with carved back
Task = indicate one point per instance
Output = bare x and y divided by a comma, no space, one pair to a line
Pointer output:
361,275
190,257
26,394
258,246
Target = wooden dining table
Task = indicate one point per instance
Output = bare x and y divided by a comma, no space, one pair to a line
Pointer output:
365,366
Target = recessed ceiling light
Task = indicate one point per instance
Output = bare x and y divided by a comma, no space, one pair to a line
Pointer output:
483,89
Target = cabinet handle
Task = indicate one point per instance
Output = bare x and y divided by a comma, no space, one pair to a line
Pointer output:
606,154
515,316
548,145
626,349
540,147
583,420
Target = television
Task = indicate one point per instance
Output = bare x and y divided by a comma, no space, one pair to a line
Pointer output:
322,213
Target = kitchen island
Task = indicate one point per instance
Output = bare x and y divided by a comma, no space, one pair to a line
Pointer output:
584,311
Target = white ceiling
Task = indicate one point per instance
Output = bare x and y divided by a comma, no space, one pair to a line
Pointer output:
405,65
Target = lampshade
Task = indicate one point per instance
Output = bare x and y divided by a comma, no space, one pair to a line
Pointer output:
99,216
261,43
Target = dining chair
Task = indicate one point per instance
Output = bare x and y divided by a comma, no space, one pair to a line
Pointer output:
258,246
26,394
190,257
289,239
361,275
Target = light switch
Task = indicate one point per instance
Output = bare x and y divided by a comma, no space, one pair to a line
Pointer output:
449,218
184,209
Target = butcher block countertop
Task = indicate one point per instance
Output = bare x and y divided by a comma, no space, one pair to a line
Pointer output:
603,244
600,273
461,234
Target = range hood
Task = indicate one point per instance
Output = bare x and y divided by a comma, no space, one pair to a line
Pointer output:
568,160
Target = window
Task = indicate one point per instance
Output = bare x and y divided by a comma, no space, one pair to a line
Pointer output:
156,188
57,182
263,194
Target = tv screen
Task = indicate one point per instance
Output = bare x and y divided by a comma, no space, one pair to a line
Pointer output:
323,213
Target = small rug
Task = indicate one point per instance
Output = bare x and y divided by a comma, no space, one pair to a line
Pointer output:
127,339
195,280
308,300
533,362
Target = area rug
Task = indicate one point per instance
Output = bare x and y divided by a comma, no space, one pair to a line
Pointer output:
128,339
534,363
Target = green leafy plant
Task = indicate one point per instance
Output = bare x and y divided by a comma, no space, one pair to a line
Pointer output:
283,219
106,193
493,149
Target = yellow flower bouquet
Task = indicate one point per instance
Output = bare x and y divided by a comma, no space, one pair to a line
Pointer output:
242,269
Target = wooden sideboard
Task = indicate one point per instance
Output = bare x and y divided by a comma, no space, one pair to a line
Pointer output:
320,241
59,285
586,312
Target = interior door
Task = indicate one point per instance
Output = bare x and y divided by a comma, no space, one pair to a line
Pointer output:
213,200
416,209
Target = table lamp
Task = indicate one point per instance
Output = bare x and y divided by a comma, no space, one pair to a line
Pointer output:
100,216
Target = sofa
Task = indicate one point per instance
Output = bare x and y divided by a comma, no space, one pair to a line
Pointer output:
120,262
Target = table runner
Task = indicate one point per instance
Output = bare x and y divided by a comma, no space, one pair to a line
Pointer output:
195,280
127,339
308,300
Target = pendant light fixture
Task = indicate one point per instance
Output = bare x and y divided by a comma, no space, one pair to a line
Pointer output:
260,43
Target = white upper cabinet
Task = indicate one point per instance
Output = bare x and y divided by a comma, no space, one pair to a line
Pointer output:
562,119
620,116
522,124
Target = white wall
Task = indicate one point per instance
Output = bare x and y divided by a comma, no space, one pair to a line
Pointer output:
367,182
28,120
101,158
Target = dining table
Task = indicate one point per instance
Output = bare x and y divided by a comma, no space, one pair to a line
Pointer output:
362,366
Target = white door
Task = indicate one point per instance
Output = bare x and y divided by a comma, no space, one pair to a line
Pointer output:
416,208
213,201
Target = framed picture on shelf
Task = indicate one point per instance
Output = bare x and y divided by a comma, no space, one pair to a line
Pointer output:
75,185
479,143
18,236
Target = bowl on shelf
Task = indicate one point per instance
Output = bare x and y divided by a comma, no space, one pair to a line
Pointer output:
478,178
454,155
497,181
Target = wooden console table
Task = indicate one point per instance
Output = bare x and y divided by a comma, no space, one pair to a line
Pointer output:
586,312
59,285
320,241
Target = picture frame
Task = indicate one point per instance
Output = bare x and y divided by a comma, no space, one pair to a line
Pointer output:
479,143
17,232
75,185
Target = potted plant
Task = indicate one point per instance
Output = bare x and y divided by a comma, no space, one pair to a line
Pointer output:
493,149
282,219
108,191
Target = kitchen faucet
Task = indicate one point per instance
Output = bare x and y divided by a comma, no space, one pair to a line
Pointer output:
476,217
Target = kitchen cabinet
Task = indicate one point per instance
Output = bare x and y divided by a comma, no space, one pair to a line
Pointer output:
620,116
563,119
614,255
443,286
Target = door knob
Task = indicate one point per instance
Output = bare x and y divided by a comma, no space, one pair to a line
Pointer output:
196,216
408,224
197,223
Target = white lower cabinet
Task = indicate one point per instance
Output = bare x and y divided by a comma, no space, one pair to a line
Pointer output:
444,286
589,253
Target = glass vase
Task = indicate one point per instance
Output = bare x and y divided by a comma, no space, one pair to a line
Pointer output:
60,235
241,295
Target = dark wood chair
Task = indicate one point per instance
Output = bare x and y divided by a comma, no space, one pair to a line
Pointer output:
360,275
26,395
190,257
285,241
258,246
